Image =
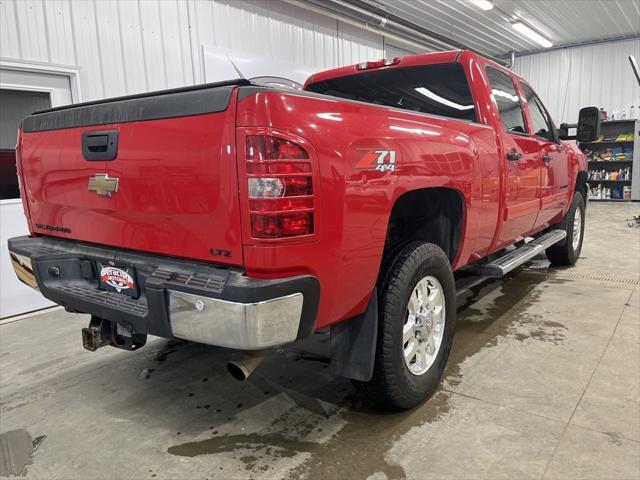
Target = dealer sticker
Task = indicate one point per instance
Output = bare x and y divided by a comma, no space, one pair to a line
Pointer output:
118,278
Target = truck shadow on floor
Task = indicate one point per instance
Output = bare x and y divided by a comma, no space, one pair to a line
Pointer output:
292,404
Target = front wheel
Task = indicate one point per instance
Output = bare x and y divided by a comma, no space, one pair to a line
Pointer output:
567,253
417,311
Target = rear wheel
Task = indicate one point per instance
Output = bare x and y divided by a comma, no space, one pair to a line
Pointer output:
567,253
417,312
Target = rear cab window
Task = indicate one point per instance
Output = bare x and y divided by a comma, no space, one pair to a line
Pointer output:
438,89
503,91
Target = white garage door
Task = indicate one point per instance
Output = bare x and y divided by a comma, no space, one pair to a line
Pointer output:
21,93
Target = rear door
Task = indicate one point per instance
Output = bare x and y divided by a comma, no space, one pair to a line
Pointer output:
554,174
521,157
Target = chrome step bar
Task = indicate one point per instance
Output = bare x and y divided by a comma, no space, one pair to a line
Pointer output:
503,265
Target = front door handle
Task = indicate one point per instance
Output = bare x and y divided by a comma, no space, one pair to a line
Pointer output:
513,156
546,158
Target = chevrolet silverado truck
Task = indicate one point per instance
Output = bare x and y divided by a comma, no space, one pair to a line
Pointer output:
248,217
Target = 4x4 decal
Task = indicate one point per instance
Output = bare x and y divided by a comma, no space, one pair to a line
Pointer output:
377,159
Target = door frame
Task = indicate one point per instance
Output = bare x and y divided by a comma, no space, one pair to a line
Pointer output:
11,209
36,67
71,72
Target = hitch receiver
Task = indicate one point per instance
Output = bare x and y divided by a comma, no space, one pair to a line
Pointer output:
101,332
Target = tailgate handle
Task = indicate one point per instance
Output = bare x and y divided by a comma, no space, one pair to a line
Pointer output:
100,145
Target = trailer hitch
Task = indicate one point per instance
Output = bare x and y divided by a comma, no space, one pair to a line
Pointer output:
101,332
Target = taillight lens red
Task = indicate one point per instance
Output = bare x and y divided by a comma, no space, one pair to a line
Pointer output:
280,186
280,204
265,147
284,225
277,168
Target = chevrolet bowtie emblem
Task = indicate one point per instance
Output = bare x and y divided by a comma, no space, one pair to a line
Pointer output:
103,185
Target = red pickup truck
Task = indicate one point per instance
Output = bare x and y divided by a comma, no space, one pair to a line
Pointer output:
247,217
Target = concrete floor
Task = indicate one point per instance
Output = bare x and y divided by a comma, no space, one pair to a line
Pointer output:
543,382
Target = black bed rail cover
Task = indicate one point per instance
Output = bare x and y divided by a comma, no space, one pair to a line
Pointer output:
177,102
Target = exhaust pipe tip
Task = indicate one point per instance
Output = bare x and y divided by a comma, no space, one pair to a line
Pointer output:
237,371
243,364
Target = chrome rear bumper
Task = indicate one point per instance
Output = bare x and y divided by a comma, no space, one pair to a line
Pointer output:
245,326
177,298
22,266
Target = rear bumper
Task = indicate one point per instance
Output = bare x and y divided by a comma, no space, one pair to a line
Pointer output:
178,298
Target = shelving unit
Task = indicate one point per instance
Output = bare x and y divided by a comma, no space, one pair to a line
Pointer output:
615,186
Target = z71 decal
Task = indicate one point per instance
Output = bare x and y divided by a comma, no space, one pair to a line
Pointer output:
377,159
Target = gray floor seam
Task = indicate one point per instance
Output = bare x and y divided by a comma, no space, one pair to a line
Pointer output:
588,383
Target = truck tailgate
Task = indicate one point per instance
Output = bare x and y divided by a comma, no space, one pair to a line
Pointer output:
171,187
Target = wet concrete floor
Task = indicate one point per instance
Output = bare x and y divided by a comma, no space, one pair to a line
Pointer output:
543,382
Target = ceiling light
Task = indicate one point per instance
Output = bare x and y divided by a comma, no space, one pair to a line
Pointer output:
532,34
483,4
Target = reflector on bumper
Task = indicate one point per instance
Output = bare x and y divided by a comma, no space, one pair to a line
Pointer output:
244,326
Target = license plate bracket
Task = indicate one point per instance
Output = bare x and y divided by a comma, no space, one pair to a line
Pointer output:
117,277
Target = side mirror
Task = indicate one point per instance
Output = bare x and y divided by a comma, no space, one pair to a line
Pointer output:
588,124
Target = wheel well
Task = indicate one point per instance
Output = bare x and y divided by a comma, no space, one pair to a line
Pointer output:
431,215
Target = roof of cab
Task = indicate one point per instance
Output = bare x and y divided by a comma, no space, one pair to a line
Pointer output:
449,56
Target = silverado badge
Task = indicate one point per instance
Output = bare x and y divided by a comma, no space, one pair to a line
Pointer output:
103,185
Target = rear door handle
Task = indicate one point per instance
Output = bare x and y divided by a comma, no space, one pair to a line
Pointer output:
546,158
513,156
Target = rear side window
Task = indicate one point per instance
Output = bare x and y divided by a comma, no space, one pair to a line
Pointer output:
440,89
504,92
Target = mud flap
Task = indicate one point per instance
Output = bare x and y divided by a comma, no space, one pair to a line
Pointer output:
353,344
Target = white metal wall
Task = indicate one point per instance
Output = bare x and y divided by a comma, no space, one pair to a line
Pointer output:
597,75
131,46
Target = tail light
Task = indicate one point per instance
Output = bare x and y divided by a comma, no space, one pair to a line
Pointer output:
280,185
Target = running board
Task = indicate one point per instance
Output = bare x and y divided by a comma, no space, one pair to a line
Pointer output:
503,265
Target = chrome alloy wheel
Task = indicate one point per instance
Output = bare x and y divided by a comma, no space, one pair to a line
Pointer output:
424,325
577,228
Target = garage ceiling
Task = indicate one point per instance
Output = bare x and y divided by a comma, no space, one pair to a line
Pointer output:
490,32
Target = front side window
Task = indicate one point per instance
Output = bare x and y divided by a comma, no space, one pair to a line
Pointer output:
504,93
541,123
439,89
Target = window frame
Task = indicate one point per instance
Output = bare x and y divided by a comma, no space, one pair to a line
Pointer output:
476,107
546,114
516,88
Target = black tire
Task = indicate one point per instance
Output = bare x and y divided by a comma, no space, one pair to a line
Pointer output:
393,385
564,253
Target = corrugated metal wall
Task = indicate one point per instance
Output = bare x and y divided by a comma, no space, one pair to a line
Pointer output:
597,75
132,46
